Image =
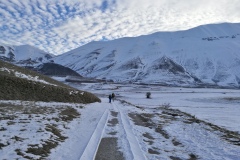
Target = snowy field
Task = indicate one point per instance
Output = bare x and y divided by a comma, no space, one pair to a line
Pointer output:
218,106
175,123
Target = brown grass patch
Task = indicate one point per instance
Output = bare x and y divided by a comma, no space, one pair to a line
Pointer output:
69,114
43,151
55,131
142,119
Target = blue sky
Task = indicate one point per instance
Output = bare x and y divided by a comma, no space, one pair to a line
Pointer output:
57,26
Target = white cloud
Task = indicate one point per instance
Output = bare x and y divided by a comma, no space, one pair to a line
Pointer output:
61,25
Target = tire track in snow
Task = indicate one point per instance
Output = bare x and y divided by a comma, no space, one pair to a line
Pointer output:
136,150
92,146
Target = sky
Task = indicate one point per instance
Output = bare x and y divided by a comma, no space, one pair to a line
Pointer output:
58,26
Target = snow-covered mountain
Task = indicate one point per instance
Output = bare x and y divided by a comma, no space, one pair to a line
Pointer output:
208,54
24,54
35,59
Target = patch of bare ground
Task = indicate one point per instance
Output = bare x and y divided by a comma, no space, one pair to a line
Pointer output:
147,135
230,136
149,120
153,151
143,119
128,103
113,122
191,157
55,131
108,150
166,115
3,145
69,114
176,142
49,119
43,151
160,130
113,133
114,114
149,139
20,153
232,98
174,158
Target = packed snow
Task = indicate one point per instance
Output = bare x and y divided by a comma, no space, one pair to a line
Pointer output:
144,128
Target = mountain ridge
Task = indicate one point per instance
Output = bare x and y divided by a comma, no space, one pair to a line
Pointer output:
24,54
35,59
209,54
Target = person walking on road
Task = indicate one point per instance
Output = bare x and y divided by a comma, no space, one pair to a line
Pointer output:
113,97
110,98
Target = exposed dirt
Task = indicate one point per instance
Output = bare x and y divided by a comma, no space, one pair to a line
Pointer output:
49,120
108,150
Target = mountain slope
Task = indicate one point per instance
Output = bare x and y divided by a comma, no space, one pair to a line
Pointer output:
24,54
207,54
53,69
17,83
35,59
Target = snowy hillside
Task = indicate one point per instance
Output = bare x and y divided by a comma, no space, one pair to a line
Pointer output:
24,54
34,59
207,54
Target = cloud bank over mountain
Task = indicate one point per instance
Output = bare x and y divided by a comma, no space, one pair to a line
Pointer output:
57,26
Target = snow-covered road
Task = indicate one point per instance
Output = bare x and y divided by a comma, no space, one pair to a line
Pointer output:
158,135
